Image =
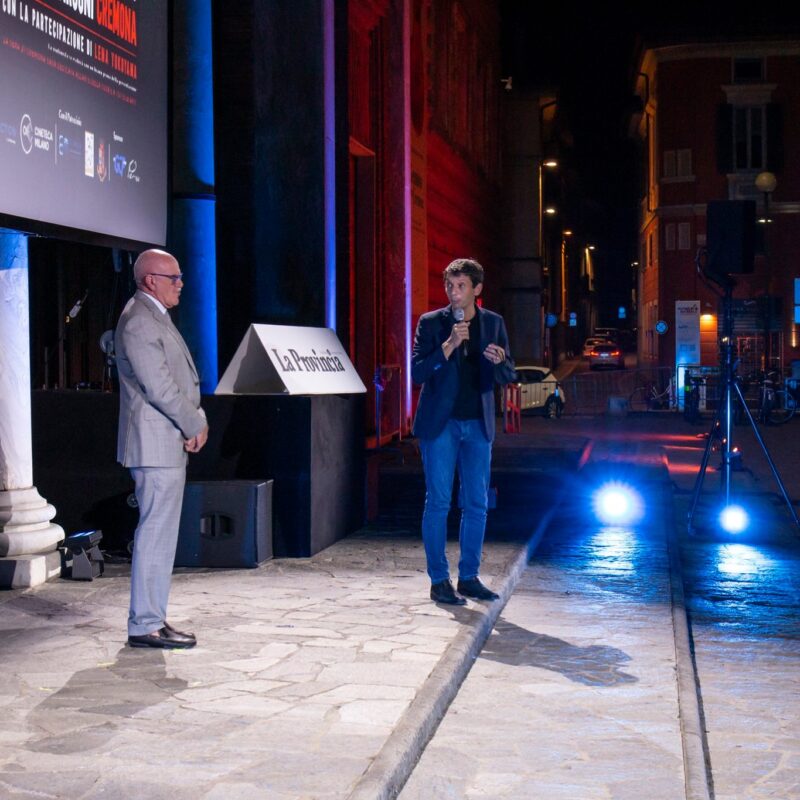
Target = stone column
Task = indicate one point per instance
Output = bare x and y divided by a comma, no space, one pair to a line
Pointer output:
28,539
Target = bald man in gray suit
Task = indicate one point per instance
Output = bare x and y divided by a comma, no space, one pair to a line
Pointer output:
160,422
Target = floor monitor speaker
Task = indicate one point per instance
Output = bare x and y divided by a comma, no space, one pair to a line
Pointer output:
225,524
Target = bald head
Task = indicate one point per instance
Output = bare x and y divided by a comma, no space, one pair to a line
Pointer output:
158,274
151,261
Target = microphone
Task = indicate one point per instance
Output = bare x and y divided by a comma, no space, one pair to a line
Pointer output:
76,309
458,313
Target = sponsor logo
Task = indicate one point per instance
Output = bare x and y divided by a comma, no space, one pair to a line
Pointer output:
132,171
42,138
102,169
67,146
120,162
88,154
26,134
8,132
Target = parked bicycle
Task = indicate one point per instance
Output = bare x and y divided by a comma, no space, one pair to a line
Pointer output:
770,404
776,406
648,397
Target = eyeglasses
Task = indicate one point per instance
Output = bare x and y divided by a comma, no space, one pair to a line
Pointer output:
173,278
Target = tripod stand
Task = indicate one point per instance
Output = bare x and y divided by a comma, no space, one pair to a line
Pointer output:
731,392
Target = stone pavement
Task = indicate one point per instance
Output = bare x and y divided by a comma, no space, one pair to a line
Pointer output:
574,693
303,670
743,604
323,677
587,686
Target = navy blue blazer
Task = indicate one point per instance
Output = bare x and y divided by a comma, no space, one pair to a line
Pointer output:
439,375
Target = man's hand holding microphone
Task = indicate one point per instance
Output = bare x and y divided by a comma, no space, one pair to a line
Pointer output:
459,336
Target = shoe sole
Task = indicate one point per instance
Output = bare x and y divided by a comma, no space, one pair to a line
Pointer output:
480,597
164,646
449,602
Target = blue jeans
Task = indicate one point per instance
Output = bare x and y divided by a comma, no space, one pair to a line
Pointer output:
461,444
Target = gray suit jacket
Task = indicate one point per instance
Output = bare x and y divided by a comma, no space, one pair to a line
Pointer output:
159,388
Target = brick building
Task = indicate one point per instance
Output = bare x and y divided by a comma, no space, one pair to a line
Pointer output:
712,118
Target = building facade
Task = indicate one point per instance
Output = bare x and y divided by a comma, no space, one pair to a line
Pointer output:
713,119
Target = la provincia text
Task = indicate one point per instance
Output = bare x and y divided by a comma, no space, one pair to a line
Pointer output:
291,361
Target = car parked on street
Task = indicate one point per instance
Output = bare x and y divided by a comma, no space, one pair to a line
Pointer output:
540,390
592,342
606,355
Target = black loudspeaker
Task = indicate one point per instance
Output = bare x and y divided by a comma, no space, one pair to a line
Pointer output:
225,524
731,237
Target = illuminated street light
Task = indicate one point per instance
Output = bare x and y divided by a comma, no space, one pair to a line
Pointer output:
550,210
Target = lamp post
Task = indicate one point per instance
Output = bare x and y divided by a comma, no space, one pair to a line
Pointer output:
542,163
766,183
550,163
565,234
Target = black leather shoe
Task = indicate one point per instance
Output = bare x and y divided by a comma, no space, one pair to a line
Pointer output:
475,589
442,592
165,638
172,630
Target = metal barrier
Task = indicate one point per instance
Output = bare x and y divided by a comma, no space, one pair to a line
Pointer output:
388,377
589,392
512,408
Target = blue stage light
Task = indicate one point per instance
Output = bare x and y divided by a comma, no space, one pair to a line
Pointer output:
617,503
733,519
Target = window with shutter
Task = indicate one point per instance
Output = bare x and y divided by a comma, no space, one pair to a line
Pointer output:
684,236
669,164
749,139
669,236
684,162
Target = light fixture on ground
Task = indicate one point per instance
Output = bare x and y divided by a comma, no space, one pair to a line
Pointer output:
617,503
733,519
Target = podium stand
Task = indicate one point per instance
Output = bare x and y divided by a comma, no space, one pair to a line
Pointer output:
310,444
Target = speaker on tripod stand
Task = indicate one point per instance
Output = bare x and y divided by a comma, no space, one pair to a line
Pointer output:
730,251
730,238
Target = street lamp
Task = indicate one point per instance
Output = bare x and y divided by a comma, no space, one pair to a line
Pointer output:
565,234
549,163
542,163
766,183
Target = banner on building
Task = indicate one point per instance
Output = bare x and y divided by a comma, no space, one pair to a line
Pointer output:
687,332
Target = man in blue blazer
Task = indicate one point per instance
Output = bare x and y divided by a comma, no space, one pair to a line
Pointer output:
160,422
459,353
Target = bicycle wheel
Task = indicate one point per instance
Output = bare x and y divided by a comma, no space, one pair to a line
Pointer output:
783,407
639,399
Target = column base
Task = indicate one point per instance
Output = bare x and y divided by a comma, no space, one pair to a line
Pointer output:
22,572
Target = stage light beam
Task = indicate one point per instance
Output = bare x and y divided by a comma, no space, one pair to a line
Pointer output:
617,504
733,519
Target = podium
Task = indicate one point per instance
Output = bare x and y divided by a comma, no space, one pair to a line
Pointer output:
311,444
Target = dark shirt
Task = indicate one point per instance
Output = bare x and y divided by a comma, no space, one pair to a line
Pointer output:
468,403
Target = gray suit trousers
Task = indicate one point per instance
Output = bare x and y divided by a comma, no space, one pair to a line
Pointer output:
159,493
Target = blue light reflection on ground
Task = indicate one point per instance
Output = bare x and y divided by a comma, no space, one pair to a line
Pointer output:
750,589
613,561
612,549
742,559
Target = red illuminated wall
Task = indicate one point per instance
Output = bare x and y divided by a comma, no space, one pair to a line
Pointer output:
450,137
